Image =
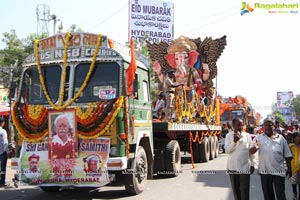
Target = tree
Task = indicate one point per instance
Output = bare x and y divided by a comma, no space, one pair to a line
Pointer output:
16,51
278,116
295,107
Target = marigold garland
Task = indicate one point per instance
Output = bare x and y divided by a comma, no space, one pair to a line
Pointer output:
199,140
105,125
34,130
83,86
87,113
35,111
22,130
63,75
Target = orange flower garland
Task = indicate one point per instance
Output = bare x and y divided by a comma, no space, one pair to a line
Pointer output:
106,123
22,131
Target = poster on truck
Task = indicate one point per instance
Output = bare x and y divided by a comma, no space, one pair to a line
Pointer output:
89,168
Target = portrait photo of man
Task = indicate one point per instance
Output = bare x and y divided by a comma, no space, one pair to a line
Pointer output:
33,171
91,165
62,136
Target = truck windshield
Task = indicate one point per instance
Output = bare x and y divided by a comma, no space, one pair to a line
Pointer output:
31,89
224,116
103,84
237,114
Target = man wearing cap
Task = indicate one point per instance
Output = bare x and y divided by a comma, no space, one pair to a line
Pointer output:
33,171
3,151
273,150
92,165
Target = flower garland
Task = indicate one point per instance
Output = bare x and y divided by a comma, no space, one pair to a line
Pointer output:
31,133
83,86
178,108
191,149
87,113
35,129
106,118
35,111
63,75
199,140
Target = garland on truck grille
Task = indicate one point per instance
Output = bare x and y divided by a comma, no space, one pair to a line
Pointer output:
34,127
60,106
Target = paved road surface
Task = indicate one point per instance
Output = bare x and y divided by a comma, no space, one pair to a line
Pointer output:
207,181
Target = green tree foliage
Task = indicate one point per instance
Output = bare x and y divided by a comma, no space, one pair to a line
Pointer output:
278,116
16,51
295,107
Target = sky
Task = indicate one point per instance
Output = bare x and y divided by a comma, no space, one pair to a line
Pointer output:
261,56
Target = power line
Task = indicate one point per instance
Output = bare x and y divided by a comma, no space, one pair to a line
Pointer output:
219,19
109,16
215,21
208,17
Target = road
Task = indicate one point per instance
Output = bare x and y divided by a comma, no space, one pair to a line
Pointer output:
206,181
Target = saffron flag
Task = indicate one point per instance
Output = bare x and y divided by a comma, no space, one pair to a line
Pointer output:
130,72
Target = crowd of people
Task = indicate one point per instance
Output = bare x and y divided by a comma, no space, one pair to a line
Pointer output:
274,151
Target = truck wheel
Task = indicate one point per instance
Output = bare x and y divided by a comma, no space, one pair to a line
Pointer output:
135,181
196,152
205,150
50,188
172,158
217,146
212,147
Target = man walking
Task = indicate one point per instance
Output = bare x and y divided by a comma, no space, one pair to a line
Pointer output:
273,150
3,151
240,162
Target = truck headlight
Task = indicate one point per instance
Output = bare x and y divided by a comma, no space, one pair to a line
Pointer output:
113,151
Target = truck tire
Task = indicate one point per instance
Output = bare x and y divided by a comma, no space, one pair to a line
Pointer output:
50,188
135,181
196,152
172,158
217,146
212,147
204,150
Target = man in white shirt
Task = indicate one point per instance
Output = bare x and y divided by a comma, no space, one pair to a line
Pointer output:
160,103
3,151
62,144
273,150
240,162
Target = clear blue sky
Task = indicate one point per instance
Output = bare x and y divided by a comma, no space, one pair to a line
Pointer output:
261,56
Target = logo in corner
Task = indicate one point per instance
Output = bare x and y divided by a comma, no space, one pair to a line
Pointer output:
246,8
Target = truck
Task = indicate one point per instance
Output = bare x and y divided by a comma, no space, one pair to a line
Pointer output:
83,115
238,106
